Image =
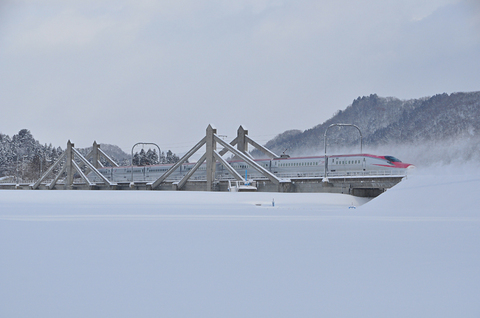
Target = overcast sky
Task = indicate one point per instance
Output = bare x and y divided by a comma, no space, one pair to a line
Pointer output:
122,72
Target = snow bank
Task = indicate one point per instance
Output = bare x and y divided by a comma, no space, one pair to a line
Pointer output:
412,252
435,191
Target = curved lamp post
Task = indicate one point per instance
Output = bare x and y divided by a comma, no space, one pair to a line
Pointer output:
325,178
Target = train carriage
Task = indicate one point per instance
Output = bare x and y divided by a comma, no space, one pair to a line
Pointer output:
337,165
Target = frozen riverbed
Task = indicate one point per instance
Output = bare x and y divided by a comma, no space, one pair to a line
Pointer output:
412,252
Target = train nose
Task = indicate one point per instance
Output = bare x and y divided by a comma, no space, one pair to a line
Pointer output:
411,169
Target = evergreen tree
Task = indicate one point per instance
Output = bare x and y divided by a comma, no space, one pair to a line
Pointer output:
152,157
171,157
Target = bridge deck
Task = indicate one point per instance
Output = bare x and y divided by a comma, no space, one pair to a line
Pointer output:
363,186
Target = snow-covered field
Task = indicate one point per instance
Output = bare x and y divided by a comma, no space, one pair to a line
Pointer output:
412,252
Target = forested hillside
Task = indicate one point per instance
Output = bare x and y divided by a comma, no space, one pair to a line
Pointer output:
24,157
446,125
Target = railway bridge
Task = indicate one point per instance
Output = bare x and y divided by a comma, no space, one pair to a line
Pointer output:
73,170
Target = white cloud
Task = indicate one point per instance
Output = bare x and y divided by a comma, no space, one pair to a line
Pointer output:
65,29
278,64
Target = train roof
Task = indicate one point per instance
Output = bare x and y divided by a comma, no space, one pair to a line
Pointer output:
267,159
342,155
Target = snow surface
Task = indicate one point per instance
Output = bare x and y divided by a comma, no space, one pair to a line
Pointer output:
412,252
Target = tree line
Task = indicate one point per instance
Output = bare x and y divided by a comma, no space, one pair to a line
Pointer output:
22,158
150,157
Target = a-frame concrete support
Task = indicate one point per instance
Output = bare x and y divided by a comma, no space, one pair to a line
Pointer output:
242,140
70,166
95,155
211,156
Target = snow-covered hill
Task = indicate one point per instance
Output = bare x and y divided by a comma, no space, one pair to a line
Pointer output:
446,123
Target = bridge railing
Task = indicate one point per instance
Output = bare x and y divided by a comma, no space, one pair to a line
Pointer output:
336,174
284,175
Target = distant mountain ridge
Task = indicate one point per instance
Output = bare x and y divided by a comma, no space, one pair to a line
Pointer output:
113,151
385,121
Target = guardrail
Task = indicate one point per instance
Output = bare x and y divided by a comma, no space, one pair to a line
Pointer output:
9,181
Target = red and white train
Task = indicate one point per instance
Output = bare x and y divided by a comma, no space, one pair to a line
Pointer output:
284,167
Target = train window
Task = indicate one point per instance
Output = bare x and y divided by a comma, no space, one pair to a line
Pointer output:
392,159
